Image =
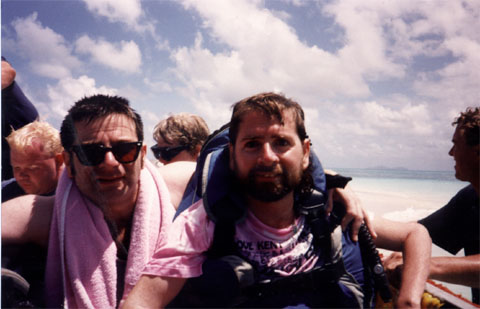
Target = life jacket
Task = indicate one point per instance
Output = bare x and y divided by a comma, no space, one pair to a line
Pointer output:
338,280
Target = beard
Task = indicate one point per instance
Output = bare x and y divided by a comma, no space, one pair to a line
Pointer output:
268,191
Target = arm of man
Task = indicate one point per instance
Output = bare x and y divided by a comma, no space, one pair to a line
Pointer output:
415,243
27,219
462,270
354,212
153,292
178,256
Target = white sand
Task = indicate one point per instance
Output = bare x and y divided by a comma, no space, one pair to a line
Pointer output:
405,207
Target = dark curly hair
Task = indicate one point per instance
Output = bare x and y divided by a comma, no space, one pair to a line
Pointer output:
469,122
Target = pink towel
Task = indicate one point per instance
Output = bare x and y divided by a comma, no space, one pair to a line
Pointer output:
88,274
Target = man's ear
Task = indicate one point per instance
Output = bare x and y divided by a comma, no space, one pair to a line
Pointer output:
143,153
198,148
58,160
230,153
306,153
67,159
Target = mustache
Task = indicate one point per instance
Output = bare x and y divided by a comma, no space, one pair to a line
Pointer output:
265,169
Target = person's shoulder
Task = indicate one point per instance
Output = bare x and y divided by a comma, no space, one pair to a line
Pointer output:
176,176
179,168
195,212
466,194
11,189
469,190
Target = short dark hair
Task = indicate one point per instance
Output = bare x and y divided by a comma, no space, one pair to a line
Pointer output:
469,122
96,107
270,104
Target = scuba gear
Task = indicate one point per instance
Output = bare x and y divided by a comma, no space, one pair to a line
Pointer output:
331,276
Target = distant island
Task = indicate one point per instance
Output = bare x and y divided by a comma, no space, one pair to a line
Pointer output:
381,167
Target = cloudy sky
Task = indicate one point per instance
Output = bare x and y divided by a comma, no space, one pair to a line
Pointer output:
380,81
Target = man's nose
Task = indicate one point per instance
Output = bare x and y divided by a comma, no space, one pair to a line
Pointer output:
110,159
451,151
268,154
23,174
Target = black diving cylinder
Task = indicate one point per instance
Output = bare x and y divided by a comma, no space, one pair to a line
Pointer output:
369,252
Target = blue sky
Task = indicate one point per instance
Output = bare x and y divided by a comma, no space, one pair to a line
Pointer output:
380,81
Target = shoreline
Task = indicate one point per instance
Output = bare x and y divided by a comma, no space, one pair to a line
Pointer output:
405,207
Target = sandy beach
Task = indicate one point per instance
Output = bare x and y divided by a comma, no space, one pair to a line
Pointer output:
407,205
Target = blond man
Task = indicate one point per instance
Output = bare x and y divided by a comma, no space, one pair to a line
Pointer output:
36,160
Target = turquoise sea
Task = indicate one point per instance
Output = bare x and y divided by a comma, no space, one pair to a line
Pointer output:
398,174
404,189
406,195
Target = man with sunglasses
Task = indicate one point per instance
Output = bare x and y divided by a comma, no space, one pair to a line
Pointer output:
111,205
259,226
179,138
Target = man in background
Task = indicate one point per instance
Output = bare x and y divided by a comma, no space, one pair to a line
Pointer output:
110,207
36,159
269,157
179,138
456,225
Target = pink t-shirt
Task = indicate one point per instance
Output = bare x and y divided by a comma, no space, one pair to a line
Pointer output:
272,252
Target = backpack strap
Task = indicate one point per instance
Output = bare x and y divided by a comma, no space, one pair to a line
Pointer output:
314,210
213,165
225,213
212,149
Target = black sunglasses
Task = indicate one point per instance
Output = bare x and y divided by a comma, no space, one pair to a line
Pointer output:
167,153
94,154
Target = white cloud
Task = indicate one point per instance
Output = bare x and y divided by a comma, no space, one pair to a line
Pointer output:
157,86
124,11
381,43
298,2
124,56
150,120
457,84
364,50
264,54
409,119
427,52
393,132
49,53
131,14
69,90
408,29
